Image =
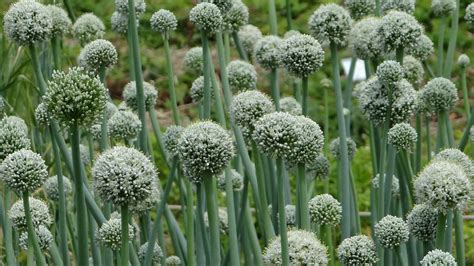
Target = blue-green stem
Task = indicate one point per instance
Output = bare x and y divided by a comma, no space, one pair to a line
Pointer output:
37,69
377,8
272,17
96,254
348,93
32,238
137,69
190,256
155,124
227,46
440,231
233,241
459,232
344,162
303,202
442,29
207,76
402,258
275,88
304,81
125,241
213,216
281,212
419,141
448,235
428,69
327,229
7,230
56,257
83,254
55,45
388,178
69,9
466,133
171,87
453,35
465,93
240,48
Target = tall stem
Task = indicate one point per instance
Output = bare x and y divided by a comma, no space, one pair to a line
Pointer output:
240,47
442,29
453,35
124,249
190,256
288,14
275,88
55,45
82,253
303,203
171,88
440,231
273,18
281,213
459,230
465,90
212,212
305,95
37,68
7,231
233,241
32,238
344,163
207,76
388,179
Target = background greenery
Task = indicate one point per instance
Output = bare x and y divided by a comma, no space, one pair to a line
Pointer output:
17,87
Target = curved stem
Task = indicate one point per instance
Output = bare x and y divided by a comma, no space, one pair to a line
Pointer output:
124,249
32,238
157,131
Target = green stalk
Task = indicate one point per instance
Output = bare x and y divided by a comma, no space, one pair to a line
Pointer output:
32,238
459,230
345,193
303,203
348,93
418,143
440,231
37,69
428,137
207,76
55,45
155,124
304,81
466,133
465,93
273,18
212,212
233,241
448,235
253,237
82,256
281,212
227,46
190,256
171,88
288,14
62,227
137,67
326,115
453,35
7,231
124,258
377,8
388,179
275,87
240,48
329,243
428,70
54,252
70,10
96,255
442,29
402,259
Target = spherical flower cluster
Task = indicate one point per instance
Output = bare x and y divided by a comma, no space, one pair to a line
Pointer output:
23,170
3,107
41,115
422,222
129,94
330,23
290,215
15,122
39,214
205,149
87,28
364,40
197,90
237,181
60,21
43,235
157,253
27,22
206,17
463,61
223,5
119,22
325,210
249,35
52,189
98,54
389,72
438,257
422,49
335,148
223,220
123,176
395,184
248,107
194,60
173,261
290,105
150,202
443,185
407,6
469,17
74,97
291,33
319,168
399,30
110,233
402,136
236,17
124,125
242,76
374,102
84,152
309,143
122,6
267,52
12,138
458,157
357,250
360,8
413,70
171,139
438,95
303,246
302,55
443,8
163,21
391,231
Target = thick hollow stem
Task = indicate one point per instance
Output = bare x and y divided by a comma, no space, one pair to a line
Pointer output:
171,88
7,231
233,241
465,94
303,203
240,47
453,35
207,76
440,231
124,249
459,230
213,216
281,212
272,17
442,29
32,238
190,256
275,88
389,178
55,45
305,95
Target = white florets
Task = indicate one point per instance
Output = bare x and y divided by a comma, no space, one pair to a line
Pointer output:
357,250
23,170
407,6
290,105
242,76
149,203
98,54
249,35
163,21
302,55
236,17
309,143
43,236
458,157
123,176
438,95
205,149
402,136
157,253
87,28
335,148
39,214
413,70
364,40
28,22
223,220
303,246
173,260
129,95
61,22
443,185
325,210
399,30
119,23
438,257
391,231
197,90
330,23
248,107
443,8
360,8
124,125
52,189
206,17
463,61
194,60
42,116
122,6
389,72
422,222
319,168
237,181
395,184
171,139
469,17
110,233
12,138
267,52
422,49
